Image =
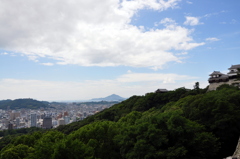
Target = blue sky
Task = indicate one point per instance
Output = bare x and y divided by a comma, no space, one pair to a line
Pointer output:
78,50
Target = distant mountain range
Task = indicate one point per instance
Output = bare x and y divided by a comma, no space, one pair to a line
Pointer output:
112,97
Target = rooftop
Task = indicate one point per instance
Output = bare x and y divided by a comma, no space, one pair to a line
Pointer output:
234,67
216,73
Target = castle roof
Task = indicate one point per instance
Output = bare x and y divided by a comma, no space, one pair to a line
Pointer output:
234,67
161,90
223,76
216,73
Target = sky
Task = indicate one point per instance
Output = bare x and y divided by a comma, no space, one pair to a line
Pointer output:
78,50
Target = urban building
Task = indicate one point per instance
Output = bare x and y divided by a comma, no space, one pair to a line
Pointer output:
67,119
61,121
10,126
33,120
17,121
14,115
47,123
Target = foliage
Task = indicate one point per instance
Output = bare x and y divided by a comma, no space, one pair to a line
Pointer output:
16,152
134,103
164,135
99,136
19,131
9,135
219,112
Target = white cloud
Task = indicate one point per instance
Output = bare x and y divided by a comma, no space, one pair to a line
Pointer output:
129,71
33,58
233,21
167,22
47,64
182,53
212,39
189,2
223,22
126,85
143,77
90,33
192,21
214,14
4,53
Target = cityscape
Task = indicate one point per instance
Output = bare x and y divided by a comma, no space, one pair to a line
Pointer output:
51,117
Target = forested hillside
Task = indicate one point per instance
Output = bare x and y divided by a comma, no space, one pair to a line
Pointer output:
180,124
22,103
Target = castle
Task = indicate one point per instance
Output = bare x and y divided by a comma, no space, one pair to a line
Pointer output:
232,78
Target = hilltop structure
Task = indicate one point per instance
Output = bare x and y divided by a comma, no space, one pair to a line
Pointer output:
232,78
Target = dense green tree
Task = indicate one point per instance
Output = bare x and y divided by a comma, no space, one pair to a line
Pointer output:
72,149
164,135
219,112
44,147
16,152
99,135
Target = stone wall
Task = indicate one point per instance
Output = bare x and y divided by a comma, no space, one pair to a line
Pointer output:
213,86
237,151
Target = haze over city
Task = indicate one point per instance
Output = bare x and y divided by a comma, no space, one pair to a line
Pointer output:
79,50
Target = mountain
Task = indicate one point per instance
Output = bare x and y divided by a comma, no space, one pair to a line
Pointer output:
22,103
112,97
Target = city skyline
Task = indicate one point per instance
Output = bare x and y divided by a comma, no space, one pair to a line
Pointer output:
79,50
49,117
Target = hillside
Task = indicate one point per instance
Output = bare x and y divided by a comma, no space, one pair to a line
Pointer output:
22,103
180,124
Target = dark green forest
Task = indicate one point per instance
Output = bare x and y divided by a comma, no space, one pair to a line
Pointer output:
179,124
22,103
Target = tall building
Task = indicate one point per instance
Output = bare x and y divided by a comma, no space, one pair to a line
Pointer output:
61,121
14,115
65,114
74,118
67,119
10,126
33,120
47,123
17,121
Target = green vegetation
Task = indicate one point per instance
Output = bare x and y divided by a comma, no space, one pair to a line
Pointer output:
184,124
22,103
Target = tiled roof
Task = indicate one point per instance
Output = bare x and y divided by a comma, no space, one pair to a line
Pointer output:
234,67
224,76
162,90
216,73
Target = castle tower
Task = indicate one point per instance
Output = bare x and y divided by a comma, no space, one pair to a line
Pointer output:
233,71
217,76
231,78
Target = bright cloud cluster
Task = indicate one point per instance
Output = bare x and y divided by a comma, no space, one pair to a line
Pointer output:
91,33
192,21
